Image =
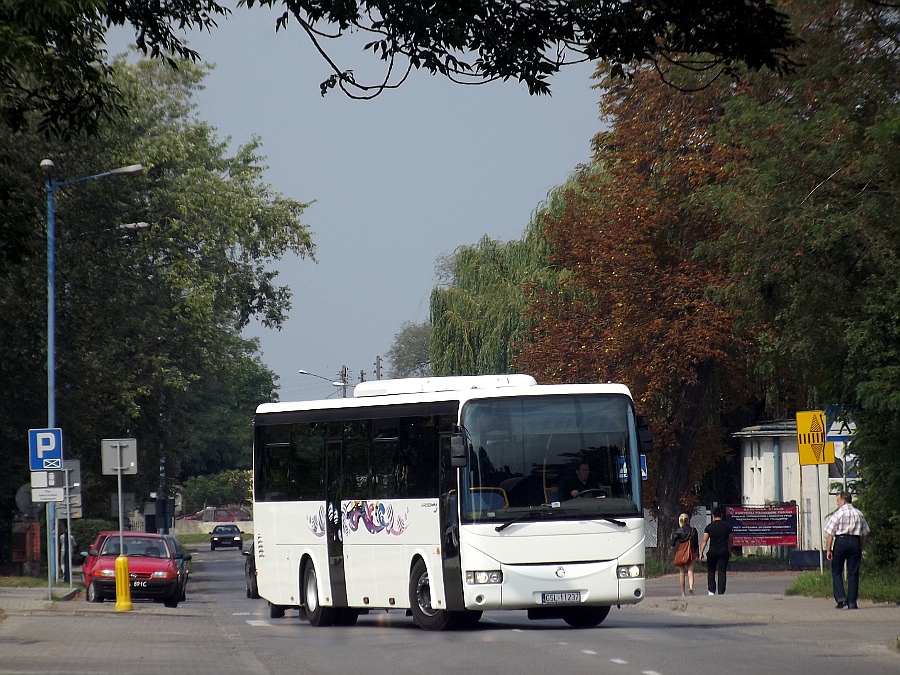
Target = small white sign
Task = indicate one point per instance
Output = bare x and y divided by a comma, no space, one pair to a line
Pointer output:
48,494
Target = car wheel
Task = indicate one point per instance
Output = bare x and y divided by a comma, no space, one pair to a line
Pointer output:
585,617
212,547
173,601
318,616
93,594
424,614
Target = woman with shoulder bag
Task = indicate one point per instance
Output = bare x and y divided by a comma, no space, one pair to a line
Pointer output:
687,549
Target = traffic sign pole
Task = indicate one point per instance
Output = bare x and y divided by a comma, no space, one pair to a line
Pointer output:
46,452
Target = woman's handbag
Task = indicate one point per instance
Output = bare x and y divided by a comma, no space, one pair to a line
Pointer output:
683,553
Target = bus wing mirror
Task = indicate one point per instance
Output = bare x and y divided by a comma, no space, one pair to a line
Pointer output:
645,435
458,455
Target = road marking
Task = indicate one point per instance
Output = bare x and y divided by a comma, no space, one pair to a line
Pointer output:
621,662
589,651
241,614
650,672
258,622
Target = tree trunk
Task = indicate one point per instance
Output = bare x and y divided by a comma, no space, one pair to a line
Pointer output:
675,462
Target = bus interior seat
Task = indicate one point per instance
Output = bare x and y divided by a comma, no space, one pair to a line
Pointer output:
484,499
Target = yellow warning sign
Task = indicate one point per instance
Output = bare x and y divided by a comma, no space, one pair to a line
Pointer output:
811,430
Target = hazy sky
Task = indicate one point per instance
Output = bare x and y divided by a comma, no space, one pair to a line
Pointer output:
397,181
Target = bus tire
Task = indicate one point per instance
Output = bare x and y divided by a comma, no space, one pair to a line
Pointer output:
318,616
424,614
467,619
346,617
585,617
276,611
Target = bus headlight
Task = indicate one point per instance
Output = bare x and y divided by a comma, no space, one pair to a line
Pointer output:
488,577
630,571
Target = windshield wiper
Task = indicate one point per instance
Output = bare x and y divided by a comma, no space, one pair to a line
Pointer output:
524,516
620,523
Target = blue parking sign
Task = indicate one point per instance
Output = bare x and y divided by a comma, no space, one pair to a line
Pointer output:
45,449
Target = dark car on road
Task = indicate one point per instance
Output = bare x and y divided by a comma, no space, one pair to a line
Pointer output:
250,574
226,535
156,568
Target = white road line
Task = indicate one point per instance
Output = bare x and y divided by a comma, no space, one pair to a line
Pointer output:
589,651
258,622
621,662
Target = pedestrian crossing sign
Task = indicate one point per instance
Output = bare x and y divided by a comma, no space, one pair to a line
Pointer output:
811,443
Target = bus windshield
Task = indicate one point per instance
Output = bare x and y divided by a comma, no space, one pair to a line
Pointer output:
540,457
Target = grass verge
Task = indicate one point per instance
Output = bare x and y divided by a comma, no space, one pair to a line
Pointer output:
877,585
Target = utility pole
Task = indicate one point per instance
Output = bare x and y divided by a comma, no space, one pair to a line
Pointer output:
378,367
343,376
362,376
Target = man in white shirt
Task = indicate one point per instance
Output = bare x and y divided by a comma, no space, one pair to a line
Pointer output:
848,533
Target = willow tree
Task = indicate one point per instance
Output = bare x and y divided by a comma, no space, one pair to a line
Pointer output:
478,312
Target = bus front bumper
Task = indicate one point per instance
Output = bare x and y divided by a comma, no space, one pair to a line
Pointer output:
556,585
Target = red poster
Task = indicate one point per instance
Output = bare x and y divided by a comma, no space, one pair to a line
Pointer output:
763,525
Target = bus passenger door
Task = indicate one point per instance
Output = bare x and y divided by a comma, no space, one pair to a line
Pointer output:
334,536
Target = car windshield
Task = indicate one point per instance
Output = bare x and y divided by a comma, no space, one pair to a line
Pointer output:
226,529
136,546
530,457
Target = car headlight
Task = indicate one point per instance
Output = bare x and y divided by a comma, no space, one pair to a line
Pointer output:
237,538
630,571
484,577
162,574
110,574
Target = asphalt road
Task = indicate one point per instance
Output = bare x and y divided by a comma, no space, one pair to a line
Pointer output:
752,629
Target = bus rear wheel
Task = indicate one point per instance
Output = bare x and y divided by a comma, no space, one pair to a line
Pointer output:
424,614
585,617
318,616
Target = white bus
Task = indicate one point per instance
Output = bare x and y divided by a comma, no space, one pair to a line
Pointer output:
440,497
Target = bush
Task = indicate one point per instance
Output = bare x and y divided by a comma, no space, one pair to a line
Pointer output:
85,531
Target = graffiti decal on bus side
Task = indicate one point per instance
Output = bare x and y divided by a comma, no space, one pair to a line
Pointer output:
375,516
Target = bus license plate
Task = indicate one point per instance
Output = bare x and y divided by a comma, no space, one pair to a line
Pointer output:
560,598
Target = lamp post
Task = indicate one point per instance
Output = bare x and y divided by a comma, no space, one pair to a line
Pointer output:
52,185
321,377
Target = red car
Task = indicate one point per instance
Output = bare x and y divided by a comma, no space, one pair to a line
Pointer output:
155,567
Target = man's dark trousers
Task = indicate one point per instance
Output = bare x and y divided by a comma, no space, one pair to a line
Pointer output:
846,549
717,566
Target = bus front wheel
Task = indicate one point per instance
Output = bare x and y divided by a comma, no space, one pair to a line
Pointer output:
424,614
585,617
318,616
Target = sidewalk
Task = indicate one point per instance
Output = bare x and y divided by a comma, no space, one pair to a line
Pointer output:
757,599
28,599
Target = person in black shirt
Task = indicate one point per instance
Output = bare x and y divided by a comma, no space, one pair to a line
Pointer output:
571,486
720,536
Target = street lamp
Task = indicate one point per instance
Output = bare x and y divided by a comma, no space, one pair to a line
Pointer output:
321,377
52,185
